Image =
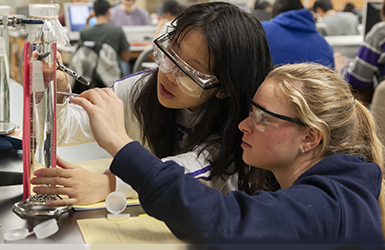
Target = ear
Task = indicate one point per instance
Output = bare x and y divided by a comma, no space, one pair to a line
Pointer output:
312,139
222,95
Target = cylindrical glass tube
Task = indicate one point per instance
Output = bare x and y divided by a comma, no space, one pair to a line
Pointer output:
39,107
39,83
39,124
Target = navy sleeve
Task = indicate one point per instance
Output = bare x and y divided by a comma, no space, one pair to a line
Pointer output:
194,211
310,209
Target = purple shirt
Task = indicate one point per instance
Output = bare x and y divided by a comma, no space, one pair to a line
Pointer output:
369,63
121,18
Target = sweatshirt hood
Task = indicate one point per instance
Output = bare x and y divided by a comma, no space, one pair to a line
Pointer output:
296,19
349,170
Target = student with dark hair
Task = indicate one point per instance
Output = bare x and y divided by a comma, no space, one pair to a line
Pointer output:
349,7
324,5
302,42
262,5
101,7
304,126
284,6
171,7
102,33
337,23
262,10
187,109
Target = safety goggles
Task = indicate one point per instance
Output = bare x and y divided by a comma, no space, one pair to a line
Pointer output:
267,121
191,81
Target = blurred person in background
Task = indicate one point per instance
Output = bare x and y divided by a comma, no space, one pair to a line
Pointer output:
337,23
368,67
170,10
293,37
128,13
100,34
262,10
349,7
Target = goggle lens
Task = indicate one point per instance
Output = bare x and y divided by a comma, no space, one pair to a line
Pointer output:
187,84
263,122
165,64
266,120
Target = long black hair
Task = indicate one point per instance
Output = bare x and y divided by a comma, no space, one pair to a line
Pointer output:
237,43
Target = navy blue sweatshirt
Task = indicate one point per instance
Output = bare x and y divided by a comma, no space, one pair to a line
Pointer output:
334,199
292,37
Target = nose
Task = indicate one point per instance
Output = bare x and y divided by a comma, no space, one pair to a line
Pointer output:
246,126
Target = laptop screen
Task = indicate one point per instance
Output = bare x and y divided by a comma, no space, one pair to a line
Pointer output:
76,15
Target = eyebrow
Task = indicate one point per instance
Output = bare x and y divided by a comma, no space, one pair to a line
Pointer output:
282,117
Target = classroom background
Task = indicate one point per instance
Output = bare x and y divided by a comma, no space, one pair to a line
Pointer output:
153,5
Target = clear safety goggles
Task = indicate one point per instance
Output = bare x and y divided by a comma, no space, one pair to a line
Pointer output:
267,121
191,81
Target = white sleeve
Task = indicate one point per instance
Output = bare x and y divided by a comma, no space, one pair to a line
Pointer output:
72,122
198,166
194,165
72,125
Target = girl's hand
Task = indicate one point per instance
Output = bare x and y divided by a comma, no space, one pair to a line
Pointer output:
80,185
106,114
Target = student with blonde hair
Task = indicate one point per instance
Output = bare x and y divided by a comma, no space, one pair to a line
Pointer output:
305,127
